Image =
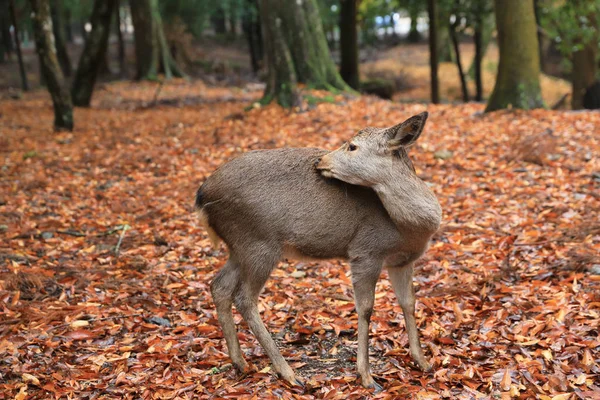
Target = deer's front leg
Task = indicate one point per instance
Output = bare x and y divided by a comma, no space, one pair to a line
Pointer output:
365,274
402,281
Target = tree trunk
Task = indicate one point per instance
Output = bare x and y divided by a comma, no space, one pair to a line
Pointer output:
252,31
478,56
461,74
218,21
433,50
59,37
584,72
487,29
93,53
121,42
349,43
6,43
151,49
13,15
413,34
518,80
444,46
61,99
68,26
296,51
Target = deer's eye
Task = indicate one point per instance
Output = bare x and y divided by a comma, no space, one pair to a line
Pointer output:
352,147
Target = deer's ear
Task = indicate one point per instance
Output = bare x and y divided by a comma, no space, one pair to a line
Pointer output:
407,132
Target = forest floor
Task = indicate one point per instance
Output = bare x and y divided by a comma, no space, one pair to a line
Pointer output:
105,271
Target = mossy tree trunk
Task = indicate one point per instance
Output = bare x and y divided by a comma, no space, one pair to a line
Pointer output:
93,54
518,79
151,49
58,28
296,51
53,76
349,43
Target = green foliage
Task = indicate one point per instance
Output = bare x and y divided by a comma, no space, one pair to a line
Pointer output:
570,24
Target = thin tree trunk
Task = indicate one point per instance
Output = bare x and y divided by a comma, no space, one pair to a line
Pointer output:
121,42
487,29
59,37
6,43
252,31
478,57
93,53
61,99
518,80
433,50
218,21
13,14
444,44
349,43
461,74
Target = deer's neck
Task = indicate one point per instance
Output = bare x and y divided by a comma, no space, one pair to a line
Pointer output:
411,205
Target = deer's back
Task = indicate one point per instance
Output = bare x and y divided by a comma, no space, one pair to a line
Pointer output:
278,198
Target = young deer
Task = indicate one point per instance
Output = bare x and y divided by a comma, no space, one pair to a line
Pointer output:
362,202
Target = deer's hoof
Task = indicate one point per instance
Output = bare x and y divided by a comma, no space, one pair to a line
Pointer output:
375,386
425,366
243,367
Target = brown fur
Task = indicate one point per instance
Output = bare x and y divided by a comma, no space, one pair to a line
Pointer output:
271,204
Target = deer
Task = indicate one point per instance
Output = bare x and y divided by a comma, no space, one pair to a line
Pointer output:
362,203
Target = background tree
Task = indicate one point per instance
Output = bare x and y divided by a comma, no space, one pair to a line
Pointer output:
296,51
349,43
252,31
93,53
15,24
433,50
152,52
518,78
58,28
573,26
6,44
61,99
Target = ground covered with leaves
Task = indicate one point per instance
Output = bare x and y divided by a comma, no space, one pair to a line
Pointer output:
105,271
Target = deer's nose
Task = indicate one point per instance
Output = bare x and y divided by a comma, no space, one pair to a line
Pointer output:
317,161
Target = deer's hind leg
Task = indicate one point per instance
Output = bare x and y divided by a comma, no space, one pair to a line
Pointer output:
401,278
223,288
257,263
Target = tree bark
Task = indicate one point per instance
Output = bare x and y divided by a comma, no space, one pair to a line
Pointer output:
93,53
13,15
58,29
584,72
461,73
444,44
478,56
61,99
151,49
6,43
252,31
349,43
120,41
218,21
296,51
433,50
518,80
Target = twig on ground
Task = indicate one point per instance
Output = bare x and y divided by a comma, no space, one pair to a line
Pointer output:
118,247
